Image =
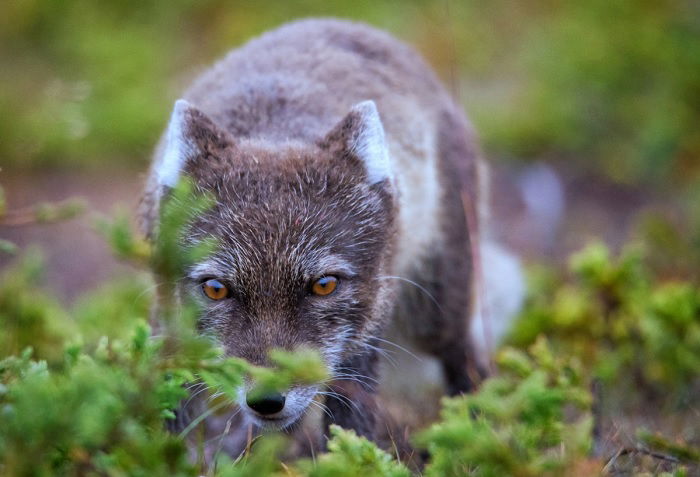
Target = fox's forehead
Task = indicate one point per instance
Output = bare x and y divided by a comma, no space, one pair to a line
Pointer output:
292,199
237,268
263,173
283,231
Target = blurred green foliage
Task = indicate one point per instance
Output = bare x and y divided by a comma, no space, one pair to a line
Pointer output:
114,308
349,455
86,82
517,424
99,412
28,316
613,83
610,86
612,314
87,391
673,239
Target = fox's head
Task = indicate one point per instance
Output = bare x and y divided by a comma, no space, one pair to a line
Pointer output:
305,231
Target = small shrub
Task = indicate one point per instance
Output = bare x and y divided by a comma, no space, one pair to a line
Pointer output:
517,423
613,316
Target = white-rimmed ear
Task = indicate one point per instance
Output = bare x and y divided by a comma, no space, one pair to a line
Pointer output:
361,134
370,145
179,145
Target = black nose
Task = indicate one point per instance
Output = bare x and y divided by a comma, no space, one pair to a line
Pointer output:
265,404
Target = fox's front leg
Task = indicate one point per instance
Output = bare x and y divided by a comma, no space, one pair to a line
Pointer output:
351,398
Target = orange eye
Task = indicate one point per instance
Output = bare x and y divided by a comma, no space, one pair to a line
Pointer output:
214,289
324,286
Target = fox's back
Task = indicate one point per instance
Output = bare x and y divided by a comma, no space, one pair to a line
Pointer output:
297,81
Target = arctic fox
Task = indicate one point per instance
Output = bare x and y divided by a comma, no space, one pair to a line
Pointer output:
347,200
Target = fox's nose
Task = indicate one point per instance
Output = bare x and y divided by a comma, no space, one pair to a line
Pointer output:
266,404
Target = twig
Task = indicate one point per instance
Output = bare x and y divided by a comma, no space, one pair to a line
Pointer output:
43,213
640,450
597,413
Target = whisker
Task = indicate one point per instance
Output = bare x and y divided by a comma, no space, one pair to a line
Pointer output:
227,429
345,378
417,285
358,378
323,408
405,350
200,418
215,396
343,399
195,394
196,384
145,290
382,352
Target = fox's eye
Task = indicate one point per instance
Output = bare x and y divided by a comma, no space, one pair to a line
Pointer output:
324,286
214,289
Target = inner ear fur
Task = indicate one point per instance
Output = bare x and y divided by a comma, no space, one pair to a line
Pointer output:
360,136
192,140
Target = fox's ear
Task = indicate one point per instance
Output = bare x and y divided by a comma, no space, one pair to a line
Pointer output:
360,134
191,135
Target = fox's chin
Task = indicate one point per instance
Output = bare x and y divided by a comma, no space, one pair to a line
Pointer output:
274,423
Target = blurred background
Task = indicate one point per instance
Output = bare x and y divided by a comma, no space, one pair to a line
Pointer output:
588,111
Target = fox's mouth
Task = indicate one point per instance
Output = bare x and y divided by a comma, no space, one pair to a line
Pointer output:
298,400
273,423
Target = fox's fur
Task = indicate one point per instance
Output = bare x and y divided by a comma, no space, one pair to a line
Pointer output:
331,149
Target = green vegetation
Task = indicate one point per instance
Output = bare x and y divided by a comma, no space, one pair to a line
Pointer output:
612,315
515,424
86,391
613,85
